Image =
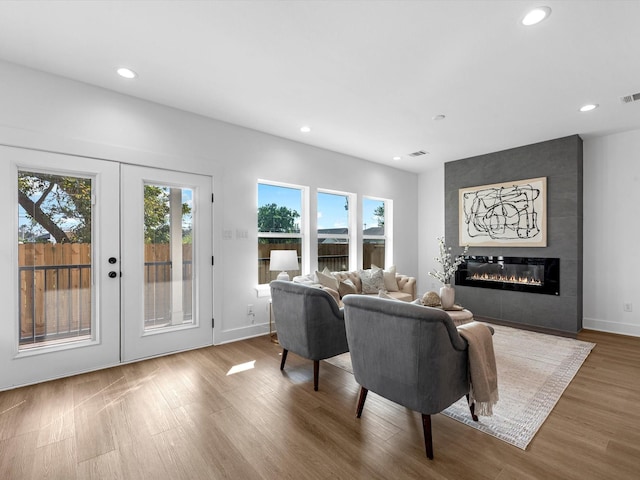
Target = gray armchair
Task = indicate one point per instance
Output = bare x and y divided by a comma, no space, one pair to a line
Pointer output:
309,323
409,354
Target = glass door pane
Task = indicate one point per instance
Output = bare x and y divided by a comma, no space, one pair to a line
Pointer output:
168,261
54,259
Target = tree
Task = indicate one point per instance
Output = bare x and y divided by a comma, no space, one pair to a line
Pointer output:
277,219
59,205
379,214
62,207
156,215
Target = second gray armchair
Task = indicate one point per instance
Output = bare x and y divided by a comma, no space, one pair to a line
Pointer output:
309,323
409,354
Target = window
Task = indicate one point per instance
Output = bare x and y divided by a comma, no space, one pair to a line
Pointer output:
55,238
279,225
374,238
333,231
168,241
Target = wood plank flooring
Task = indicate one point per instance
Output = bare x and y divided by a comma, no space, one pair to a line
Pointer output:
184,417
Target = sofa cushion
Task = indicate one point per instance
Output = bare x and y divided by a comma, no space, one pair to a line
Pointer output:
372,280
389,275
406,284
334,294
352,276
326,279
402,296
346,287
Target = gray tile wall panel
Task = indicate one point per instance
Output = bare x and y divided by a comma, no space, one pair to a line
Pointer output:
560,161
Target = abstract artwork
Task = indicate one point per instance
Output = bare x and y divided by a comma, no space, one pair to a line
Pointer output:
510,214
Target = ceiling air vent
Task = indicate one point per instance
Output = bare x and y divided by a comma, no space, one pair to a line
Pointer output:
630,98
418,153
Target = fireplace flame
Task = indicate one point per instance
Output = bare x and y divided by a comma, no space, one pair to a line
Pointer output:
495,277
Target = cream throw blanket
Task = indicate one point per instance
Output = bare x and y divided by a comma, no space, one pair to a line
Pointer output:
483,375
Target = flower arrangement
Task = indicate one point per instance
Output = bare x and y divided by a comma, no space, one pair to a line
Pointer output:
449,263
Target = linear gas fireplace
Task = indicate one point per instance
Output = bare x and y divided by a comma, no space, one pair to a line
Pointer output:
522,274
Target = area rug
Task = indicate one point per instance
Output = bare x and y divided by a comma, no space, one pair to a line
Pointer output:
534,369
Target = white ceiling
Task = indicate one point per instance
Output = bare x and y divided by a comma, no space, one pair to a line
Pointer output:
367,76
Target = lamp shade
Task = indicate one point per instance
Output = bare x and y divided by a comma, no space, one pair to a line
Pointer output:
282,260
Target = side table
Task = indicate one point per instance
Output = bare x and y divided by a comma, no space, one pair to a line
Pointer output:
273,334
460,317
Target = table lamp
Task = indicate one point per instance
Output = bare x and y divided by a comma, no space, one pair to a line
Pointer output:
283,260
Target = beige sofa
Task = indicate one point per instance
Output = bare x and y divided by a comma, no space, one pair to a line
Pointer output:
364,282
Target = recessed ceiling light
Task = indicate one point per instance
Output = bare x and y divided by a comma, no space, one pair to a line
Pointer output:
126,72
589,107
536,15
305,129
397,158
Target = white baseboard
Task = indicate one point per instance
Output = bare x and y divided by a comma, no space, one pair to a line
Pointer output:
611,327
242,333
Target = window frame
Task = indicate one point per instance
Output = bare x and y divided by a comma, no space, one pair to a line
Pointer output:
386,236
351,234
302,234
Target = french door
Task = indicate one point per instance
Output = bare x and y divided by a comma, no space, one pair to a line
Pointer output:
102,263
166,258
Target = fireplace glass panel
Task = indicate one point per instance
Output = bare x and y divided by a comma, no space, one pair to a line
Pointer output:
524,274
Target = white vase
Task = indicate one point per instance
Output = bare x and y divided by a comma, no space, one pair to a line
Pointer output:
447,296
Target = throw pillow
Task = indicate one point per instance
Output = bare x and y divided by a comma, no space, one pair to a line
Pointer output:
305,279
346,287
333,294
389,274
327,280
372,281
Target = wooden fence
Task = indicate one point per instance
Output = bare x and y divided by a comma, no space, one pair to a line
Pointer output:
334,256
55,283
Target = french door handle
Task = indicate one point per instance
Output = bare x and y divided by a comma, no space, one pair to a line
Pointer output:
113,274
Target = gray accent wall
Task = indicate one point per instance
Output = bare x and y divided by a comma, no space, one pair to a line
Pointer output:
560,161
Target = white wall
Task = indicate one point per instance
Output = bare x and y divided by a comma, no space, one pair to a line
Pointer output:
611,232
47,112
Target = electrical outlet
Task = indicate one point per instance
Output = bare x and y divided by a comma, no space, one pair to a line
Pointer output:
627,307
250,309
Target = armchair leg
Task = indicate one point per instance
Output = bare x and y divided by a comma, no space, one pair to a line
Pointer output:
428,442
284,358
361,399
472,407
316,374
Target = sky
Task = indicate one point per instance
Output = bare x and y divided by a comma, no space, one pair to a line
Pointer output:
331,212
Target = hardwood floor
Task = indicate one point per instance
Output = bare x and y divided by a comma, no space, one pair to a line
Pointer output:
184,417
